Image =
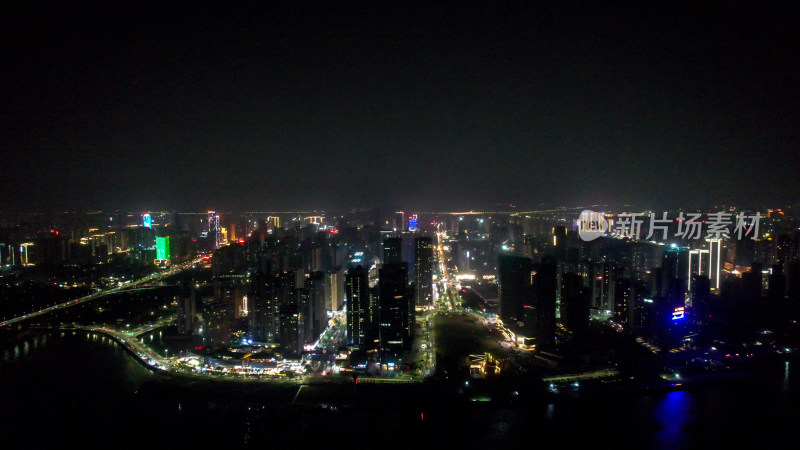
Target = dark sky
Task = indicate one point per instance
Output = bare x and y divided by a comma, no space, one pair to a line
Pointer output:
431,107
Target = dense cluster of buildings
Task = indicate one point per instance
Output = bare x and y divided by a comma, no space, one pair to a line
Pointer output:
279,287
551,283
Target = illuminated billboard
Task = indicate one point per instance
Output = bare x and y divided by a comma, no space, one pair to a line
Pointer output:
678,313
162,248
412,223
147,221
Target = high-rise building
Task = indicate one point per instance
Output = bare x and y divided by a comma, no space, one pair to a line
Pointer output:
776,289
423,271
701,294
213,228
623,301
574,304
560,247
187,313
263,315
400,221
358,308
696,267
392,312
752,283
163,248
315,312
392,250
603,285
545,287
218,317
53,249
714,262
291,330
515,287
334,289
784,248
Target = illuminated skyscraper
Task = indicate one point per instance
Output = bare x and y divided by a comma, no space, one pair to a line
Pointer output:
603,284
412,223
218,317
400,221
392,313
162,248
423,271
291,330
263,315
696,267
213,228
714,262
357,299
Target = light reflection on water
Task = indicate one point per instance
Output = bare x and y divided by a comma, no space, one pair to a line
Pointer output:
26,348
673,413
785,383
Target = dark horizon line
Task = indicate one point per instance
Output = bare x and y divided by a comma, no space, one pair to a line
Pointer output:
473,210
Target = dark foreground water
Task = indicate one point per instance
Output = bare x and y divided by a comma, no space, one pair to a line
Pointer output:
86,391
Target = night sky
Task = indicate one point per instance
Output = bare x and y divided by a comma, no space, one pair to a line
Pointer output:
426,108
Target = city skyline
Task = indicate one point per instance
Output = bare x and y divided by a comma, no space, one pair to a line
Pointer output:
487,224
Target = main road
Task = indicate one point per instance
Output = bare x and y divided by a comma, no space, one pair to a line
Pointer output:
153,277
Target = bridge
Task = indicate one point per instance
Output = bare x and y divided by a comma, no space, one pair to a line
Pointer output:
130,340
138,284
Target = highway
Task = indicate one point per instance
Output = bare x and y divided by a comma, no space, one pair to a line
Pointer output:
94,296
448,288
129,339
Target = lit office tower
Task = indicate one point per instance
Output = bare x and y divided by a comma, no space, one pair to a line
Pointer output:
392,250
784,248
400,222
357,300
603,283
213,228
334,289
163,248
284,284
644,256
392,313
423,271
263,317
218,317
714,262
696,267
291,320
291,330
515,287
623,301
560,246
